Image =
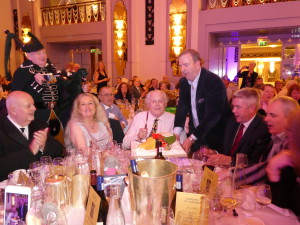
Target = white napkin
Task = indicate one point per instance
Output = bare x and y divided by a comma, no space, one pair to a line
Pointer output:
282,211
249,202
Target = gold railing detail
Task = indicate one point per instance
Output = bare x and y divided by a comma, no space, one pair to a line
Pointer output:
218,4
84,12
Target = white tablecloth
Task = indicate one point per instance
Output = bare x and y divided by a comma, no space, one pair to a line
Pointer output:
265,216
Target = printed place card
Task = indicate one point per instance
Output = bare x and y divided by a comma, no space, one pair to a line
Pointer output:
92,209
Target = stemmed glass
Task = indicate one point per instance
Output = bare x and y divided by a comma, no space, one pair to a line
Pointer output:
263,195
202,154
228,200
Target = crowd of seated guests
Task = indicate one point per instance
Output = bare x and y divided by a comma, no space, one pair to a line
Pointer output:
94,118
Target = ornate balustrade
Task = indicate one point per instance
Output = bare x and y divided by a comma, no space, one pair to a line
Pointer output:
84,12
217,4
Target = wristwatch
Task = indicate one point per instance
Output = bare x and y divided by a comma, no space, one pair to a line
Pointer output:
191,139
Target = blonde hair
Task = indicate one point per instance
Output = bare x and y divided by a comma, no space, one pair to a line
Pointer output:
100,115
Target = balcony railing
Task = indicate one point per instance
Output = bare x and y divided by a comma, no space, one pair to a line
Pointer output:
84,12
217,4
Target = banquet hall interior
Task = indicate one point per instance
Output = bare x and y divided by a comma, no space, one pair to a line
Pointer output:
143,38
142,41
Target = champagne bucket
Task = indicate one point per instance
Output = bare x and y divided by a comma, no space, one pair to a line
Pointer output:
149,194
56,191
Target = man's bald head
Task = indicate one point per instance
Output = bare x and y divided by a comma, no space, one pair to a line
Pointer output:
20,107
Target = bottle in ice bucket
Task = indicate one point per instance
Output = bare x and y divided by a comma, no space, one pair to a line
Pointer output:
115,214
134,167
178,189
103,209
159,149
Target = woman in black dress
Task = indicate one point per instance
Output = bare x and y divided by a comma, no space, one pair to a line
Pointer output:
100,76
123,92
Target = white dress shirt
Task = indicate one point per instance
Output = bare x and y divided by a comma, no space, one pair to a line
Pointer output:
165,124
26,130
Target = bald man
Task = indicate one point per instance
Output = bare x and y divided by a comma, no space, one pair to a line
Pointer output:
23,140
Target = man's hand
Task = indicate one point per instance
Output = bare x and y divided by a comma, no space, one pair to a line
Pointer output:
142,133
123,125
187,144
276,163
39,78
39,140
219,159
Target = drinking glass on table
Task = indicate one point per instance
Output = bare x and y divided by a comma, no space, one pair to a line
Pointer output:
202,154
263,195
228,200
58,167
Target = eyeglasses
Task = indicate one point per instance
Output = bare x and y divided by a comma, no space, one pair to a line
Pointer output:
108,95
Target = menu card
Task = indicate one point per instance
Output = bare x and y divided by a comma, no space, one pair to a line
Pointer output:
209,182
92,209
191,207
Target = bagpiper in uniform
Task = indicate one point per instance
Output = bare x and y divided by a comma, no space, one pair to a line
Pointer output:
46,92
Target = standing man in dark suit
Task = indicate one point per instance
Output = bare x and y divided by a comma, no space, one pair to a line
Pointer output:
249,76
23,140
246,131
22,209
203,97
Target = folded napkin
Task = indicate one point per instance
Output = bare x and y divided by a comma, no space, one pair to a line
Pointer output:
282,211
249,202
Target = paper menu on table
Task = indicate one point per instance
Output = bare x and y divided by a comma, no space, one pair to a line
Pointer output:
92,209
190,205
209,182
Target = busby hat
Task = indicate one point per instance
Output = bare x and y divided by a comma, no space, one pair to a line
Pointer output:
33,45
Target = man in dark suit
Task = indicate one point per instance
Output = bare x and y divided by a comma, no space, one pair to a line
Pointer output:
136,89
22,209
23,140
203,97
249,76
254,135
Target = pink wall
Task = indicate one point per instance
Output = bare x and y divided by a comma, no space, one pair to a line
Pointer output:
242,18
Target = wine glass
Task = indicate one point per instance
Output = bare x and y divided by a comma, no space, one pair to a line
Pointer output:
202,154
263,195
228,200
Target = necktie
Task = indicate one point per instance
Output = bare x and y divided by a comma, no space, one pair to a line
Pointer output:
22,130
154,127
237,139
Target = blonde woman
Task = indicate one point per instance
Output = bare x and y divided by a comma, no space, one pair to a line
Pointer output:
88,123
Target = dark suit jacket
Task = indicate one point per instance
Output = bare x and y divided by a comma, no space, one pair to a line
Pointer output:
212,108
117,130
286,192
134,91
14,151
244,74
22,211
254,142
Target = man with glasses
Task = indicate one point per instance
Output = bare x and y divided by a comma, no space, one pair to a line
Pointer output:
106,97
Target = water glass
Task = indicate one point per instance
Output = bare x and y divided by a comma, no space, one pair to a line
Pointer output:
35,169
